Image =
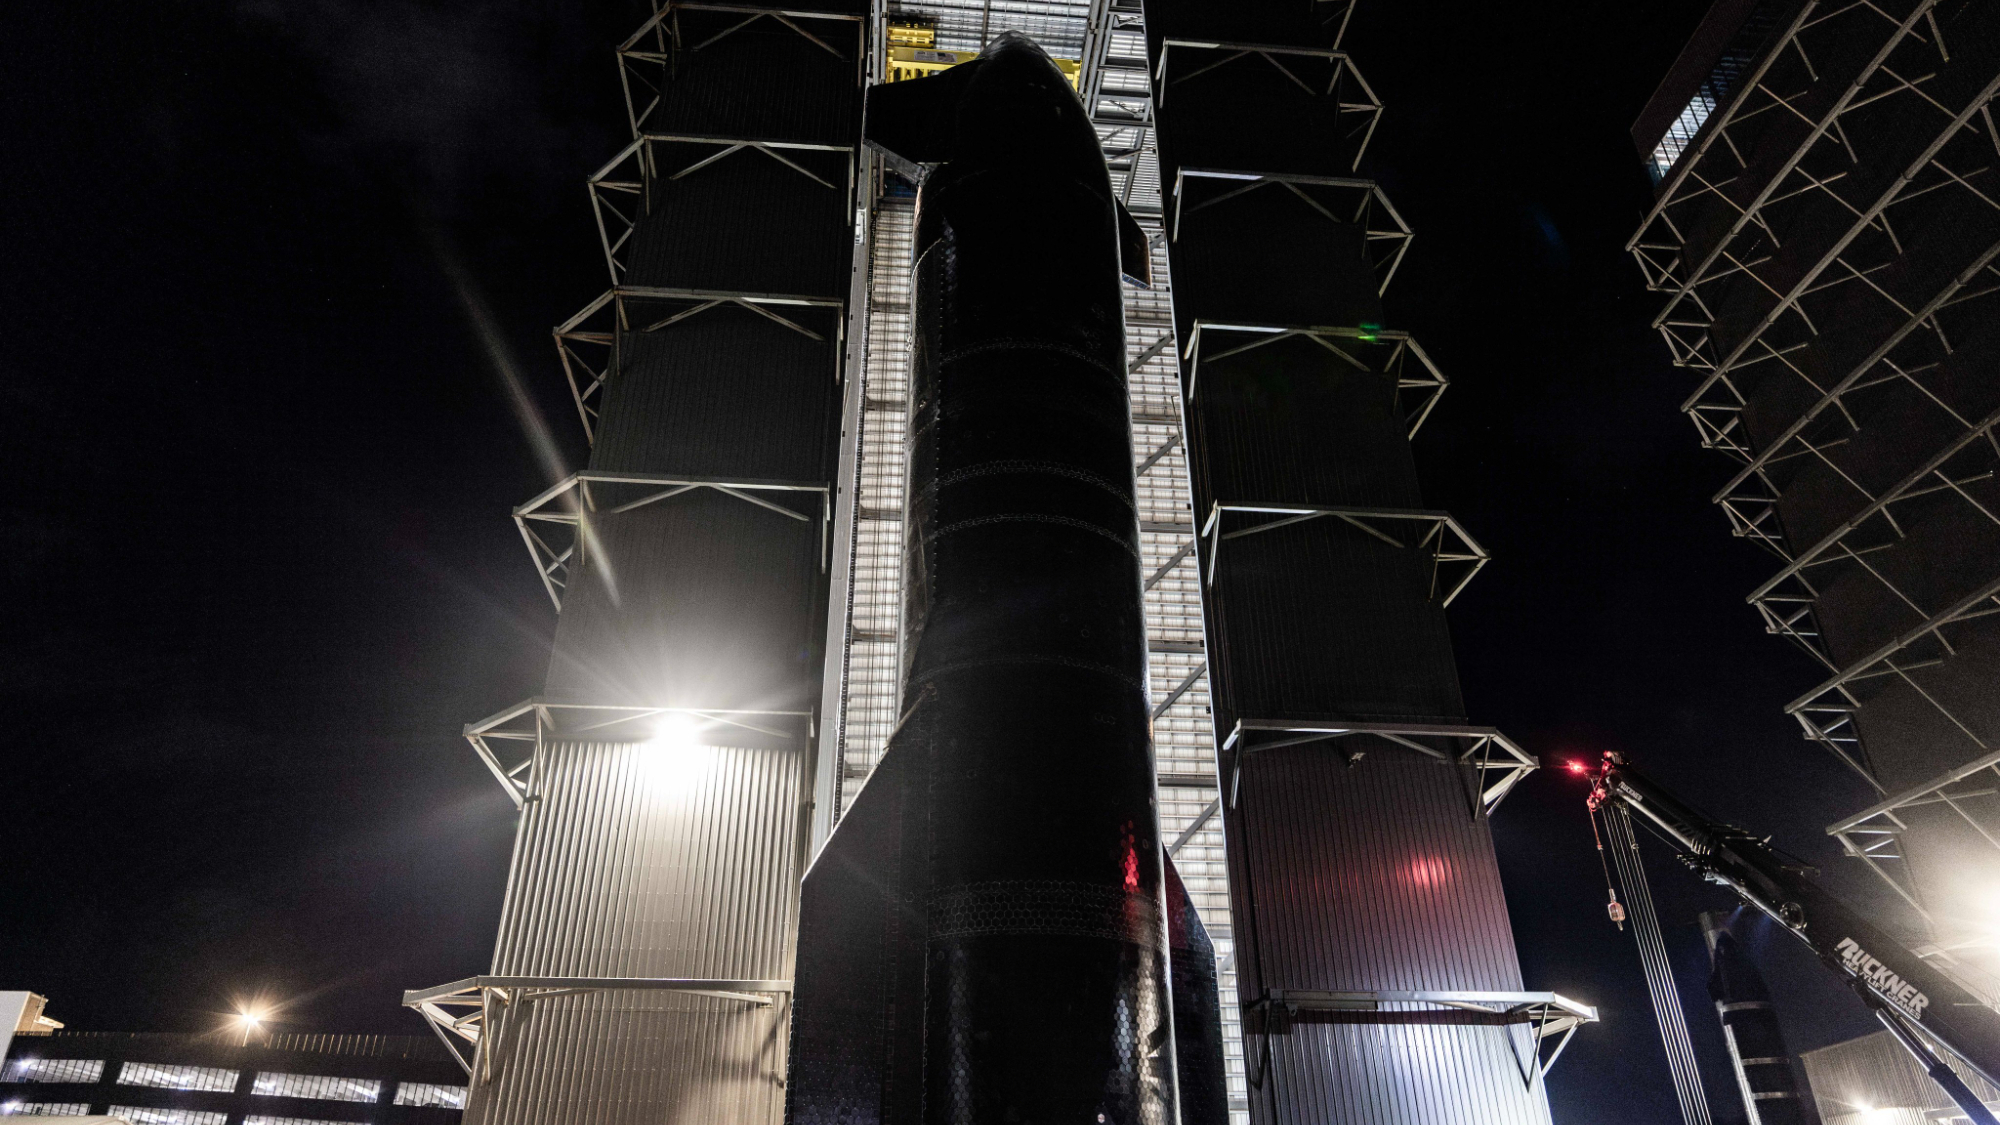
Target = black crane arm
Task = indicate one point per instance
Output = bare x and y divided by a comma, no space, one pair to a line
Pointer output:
1902,989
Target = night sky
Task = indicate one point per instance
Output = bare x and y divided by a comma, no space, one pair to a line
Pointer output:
277,278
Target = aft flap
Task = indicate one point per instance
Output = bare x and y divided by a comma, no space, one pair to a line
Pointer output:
1135,255
916,121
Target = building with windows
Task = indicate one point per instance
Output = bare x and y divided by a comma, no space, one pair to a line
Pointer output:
728,573
169,1079
1825,239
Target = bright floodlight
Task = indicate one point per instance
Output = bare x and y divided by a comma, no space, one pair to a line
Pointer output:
675,757
248,1020
676,732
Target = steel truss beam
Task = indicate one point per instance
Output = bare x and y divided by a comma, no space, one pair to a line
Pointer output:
1827,711
1821,167
1344,201
1837,178
587,343
1389,349
499,1003
1117,92
1480,748
1786,601
1546,1014
535,720
1342,81
572,502
621,191
652,47
1972,791
1751,496
1466,557
1062,27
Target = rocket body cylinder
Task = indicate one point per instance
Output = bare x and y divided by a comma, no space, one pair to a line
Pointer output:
1024,642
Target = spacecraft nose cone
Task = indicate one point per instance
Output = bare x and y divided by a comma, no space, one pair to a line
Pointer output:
1010,110
1019,106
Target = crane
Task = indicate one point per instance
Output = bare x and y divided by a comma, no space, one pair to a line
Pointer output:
1912,999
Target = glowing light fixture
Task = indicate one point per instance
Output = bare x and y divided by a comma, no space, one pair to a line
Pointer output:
675,757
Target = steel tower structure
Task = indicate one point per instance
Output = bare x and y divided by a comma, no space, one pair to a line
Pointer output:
665,775
1354,790
728,573
1826,233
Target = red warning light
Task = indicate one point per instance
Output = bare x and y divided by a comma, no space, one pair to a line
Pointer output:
1578,767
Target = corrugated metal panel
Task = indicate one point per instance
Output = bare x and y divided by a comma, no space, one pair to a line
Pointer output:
1378,876
1291,421
747,220
1874,1081
1313,269
726,392
643,860
1374,877
763,82
703,600
1322,620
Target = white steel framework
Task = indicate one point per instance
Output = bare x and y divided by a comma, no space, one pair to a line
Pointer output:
572,503
481,1012
587,343
528,726
1949,155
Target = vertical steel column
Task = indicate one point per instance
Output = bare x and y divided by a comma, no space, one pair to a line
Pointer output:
1356,861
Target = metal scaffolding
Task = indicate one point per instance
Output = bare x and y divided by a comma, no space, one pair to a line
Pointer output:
1827,238
860,513
664,778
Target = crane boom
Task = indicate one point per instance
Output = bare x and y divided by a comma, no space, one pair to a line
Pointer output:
1905,992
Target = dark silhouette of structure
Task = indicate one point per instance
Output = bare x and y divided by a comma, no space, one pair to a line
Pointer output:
729,572
1826,236
1354,789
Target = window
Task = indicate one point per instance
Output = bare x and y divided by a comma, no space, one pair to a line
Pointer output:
151,1115
423,1093
257,1119
47,1109
1682,132
55,1070
322,1086
169,1077
1737,60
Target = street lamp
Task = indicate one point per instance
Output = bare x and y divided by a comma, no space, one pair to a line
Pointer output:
249,1020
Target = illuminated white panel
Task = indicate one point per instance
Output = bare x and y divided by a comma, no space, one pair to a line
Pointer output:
1682,132
966,25
322,1086
426,1093
169,1077
55,1070
45,1109
870,702
152,1115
